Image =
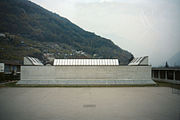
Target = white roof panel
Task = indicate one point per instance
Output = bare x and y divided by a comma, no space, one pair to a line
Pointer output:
139,61
55,62
86,62
32,61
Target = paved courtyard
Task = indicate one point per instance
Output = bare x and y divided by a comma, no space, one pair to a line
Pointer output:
89,103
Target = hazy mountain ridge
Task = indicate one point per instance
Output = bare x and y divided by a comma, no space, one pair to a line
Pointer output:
175,60
32,27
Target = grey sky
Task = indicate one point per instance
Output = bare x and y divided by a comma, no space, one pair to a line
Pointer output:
143,27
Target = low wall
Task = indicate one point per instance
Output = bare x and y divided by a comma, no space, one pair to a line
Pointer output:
86,75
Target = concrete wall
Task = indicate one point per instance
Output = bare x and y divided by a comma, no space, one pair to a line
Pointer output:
85,73
37,72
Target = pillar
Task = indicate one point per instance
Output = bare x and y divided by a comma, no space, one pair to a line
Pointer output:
166,75
159,74
174,75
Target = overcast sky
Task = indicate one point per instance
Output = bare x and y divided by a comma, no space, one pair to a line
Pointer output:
143,27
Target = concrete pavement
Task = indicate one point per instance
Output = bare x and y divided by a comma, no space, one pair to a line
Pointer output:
89,103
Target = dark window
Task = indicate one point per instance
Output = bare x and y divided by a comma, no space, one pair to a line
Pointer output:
155,73
170,74
162,74
7,68
18,68
177,76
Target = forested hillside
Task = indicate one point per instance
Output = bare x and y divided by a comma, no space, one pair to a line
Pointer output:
30,30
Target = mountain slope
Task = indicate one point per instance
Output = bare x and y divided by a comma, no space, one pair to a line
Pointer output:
33,27
175,60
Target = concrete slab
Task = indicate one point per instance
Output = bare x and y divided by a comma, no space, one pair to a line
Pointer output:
88,103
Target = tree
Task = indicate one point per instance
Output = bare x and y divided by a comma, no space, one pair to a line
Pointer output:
166,65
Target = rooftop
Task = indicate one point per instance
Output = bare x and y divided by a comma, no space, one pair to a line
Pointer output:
86,62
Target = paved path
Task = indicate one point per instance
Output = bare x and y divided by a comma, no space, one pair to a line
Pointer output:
125,103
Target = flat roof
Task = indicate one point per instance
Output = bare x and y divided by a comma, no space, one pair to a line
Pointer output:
165,68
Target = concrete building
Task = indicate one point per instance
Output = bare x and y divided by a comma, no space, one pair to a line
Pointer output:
10,70
170,75
10,67
87,72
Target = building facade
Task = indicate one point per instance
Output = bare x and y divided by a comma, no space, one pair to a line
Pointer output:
86,72
170,75
10,70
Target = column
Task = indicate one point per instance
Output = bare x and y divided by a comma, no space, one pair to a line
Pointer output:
159,74
152,73
166,75
174,75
